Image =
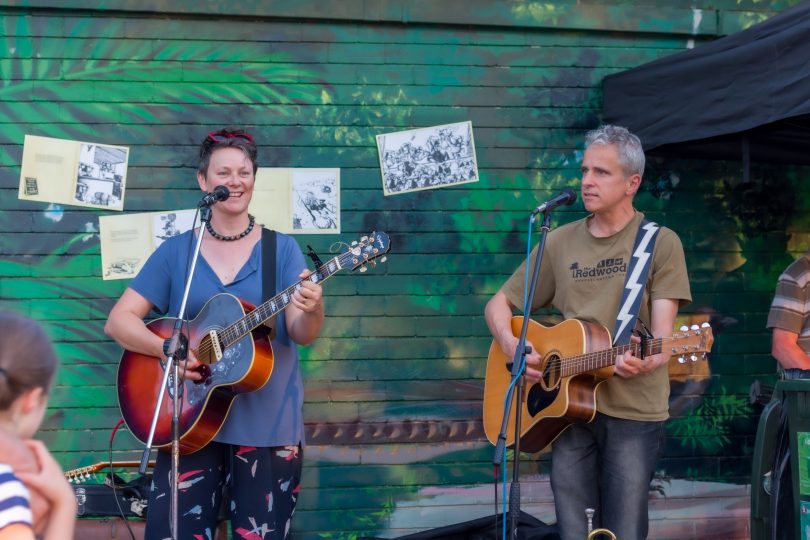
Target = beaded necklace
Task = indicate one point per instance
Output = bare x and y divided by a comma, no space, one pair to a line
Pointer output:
244,233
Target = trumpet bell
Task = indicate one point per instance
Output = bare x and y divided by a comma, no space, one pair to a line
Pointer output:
601,532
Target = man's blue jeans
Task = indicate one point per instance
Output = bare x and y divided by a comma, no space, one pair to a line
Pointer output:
606,465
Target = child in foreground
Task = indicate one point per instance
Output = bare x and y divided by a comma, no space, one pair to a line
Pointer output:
35,497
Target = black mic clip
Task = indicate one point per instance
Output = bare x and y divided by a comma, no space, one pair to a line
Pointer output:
564,198
180,351
220,193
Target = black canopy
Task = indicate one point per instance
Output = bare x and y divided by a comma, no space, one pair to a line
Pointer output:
747,94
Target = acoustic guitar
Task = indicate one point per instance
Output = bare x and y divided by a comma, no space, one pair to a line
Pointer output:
237,358
576,358
82,474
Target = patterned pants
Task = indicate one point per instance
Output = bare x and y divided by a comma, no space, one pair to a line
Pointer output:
261,484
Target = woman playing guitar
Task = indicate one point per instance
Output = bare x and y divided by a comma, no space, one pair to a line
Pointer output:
257,451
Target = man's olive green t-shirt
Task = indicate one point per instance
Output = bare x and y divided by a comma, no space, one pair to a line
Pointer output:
583,277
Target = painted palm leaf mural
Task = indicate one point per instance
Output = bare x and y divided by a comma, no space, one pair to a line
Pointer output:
394,385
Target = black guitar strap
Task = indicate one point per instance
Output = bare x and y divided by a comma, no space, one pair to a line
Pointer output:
636,278
269,271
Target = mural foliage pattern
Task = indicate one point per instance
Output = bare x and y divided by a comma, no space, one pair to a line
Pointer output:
394,384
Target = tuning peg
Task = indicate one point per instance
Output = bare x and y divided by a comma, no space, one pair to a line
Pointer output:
694,327
705,325
684,328
383,259
364,239
693,358
703,356
681,360
363,269
354,243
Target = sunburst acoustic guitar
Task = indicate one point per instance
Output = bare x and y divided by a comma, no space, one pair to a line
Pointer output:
225,338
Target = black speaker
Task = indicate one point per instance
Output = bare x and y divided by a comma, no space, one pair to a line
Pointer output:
487,528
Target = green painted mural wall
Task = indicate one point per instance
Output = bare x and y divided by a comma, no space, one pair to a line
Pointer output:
394,384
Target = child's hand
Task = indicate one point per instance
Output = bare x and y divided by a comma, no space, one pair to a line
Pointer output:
21,459
49,480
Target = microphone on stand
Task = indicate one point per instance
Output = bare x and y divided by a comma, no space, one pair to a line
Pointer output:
220,193
564,198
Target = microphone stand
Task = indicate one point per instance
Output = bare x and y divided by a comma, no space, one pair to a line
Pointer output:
517,363
175,348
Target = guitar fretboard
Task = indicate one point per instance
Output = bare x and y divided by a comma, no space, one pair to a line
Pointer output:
574,365
357,255
240,328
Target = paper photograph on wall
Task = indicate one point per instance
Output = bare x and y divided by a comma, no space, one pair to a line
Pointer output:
297,201
427,158
127,240
73,173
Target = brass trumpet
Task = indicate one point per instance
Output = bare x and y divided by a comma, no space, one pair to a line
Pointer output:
593,533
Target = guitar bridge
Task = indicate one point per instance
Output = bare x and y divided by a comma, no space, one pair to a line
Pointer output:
215,345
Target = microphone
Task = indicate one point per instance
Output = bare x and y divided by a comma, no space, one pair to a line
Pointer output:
564,198
220,193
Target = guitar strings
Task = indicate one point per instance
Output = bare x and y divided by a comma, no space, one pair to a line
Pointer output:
599,359
595,360
579,363
252,320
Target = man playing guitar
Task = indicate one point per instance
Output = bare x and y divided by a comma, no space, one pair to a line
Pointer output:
606,464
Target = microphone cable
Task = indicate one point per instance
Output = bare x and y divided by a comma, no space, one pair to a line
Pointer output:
111,478
521,369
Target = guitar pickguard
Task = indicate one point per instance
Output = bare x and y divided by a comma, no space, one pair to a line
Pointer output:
538,399
233,366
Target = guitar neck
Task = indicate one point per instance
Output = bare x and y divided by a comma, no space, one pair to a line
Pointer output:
357,255
87,470
574,365
269,309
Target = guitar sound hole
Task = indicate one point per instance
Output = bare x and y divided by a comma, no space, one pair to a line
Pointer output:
205,351
551,372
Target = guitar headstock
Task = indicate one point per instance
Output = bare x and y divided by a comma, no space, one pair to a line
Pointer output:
691,343
367,250
82,474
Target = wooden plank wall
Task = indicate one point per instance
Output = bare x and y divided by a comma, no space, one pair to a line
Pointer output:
394,384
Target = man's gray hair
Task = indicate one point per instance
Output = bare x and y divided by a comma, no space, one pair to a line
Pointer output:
631,154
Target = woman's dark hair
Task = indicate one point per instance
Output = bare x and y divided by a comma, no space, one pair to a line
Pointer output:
227,138
27,358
